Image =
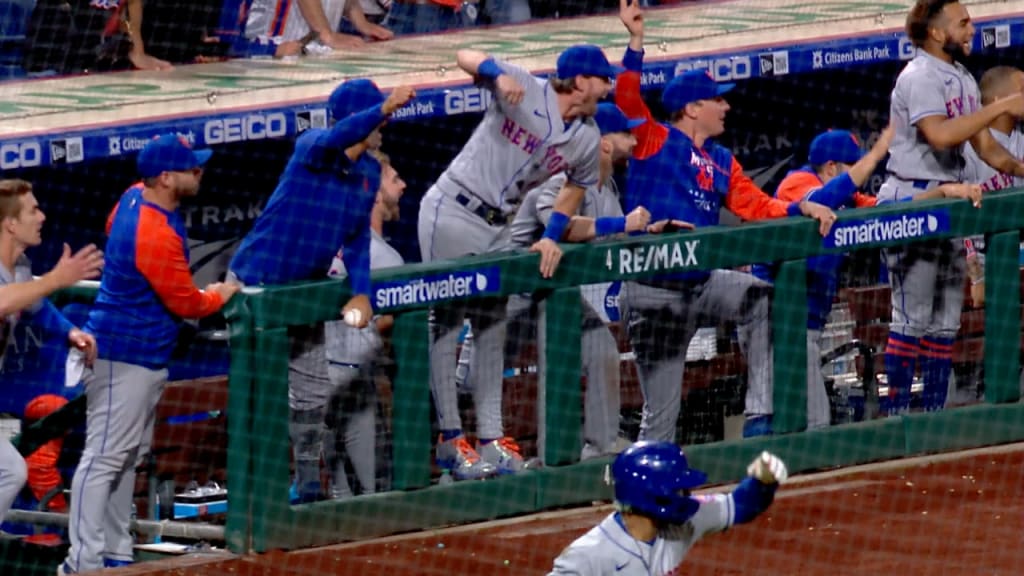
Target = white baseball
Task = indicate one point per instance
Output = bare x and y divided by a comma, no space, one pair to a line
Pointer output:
354,317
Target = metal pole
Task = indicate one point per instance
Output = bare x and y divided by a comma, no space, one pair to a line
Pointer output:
165,528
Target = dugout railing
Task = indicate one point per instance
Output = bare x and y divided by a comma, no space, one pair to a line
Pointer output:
260,516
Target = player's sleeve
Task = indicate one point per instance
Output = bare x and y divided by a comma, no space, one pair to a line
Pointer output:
836,193
160,258
545,197
923,94
749,202
586,171
50,319
357,261
522,76
651,135
861,200
750,498
344,134
716,514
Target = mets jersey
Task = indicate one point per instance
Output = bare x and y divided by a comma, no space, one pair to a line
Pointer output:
926,87
516,148
45,314
532,217
609,549
976,171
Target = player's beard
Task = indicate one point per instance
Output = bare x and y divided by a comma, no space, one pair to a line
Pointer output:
955,50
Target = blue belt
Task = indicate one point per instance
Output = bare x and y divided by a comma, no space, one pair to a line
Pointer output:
343,364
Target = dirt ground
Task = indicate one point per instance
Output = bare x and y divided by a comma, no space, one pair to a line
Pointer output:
957,516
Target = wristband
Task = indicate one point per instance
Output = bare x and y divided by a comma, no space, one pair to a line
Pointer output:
489,69
556,226
608,225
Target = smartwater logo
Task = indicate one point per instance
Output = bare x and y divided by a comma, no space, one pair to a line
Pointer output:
886,228
436,288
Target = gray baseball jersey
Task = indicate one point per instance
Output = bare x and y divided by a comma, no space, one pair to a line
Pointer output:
609,549
978,172
516,148
532,217
926,87
348,345
12,465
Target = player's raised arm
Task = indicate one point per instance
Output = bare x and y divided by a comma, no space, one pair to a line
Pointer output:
480,65
943,132
841,190
351,129
650,135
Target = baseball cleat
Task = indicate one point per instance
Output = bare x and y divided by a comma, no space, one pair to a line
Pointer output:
464,463
504,455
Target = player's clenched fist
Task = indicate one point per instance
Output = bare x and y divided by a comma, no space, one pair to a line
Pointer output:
357,312
509,90
398,97
637,219
768,469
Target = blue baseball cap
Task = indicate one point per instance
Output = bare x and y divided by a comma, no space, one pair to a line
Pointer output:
169,153
692,86
836,146
611,119
585,60
353,96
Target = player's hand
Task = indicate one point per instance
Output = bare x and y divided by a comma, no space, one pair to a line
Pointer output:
398,97
509,90
225,289
668,226
339,41
823,214
550,256
978,294
84,342
360,302
377,32
638,219
768,469
143,61
85,264
632,16
970,192
1014,104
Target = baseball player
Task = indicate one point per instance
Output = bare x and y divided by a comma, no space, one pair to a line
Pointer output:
995,84
351,419
534,129
835,171
679,174
323,201
145,292
936,108
21,223
658,519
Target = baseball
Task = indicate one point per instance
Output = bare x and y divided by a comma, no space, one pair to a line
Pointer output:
353,317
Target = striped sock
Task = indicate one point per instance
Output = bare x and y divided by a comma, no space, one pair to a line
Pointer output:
936,367
901,351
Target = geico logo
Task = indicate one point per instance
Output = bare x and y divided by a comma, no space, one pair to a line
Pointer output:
466,100
20,155
254,127
722,69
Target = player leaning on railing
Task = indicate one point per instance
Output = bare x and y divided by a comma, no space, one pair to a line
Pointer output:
678,173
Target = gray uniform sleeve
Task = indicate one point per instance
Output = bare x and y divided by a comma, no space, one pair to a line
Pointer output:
585,168
547,193
523,77
714,515
923,93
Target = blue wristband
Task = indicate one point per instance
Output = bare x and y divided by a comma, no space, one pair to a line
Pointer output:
489,70
556,226
608,225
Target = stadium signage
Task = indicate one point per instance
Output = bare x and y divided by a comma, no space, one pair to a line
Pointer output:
20,155
722,69
850,233
437,288
667,256
471,99
242,128
828,58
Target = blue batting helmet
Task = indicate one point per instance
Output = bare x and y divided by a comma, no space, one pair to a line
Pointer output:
654,479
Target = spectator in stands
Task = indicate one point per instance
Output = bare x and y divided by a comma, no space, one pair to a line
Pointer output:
293,27
351,356
428,16
84,37
501,12
374,12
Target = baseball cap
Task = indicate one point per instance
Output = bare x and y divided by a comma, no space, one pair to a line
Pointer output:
692,86
585,60
834,145
611,119
353,96
169,153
